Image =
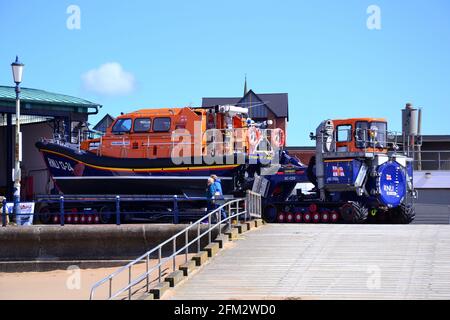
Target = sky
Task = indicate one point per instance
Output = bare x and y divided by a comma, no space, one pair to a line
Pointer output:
335,59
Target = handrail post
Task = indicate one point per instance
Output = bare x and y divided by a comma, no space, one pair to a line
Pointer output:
246,206
186,238
174,242
260,210
220,222
439,160
209,228
159,263
118,210
175,210
61,210
4,212
129,283
110,288
229,215
198,238
147,262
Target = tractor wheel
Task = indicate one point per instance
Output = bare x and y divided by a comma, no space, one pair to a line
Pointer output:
316,217
403,214
270,213
45,215
105,215
325,217
290,217
354,212
307,217
281,217
334,217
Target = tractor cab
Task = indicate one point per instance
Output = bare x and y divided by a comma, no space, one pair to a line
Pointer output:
361,135
356,137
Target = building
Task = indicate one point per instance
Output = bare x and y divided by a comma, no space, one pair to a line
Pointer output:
104,123
262,106
43,114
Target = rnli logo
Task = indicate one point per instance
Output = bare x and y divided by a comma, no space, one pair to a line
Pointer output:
338,171
390,190
388,177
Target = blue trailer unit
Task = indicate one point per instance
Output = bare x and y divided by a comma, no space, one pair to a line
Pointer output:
341,172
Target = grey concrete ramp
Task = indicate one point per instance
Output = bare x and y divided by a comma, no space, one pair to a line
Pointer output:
306,261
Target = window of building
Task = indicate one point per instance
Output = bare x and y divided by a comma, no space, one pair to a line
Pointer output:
142,125
161,124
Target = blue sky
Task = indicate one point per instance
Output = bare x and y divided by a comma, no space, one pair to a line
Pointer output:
176,52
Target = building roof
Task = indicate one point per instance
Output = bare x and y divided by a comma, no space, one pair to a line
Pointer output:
276,102
41,96
210,102
436,138
106,120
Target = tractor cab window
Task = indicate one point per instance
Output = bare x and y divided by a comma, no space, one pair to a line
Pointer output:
122,126
371,134
361,134
378,134
344,133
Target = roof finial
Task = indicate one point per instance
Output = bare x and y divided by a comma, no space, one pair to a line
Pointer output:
245,85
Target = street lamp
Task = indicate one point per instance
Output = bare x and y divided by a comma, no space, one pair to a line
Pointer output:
17,70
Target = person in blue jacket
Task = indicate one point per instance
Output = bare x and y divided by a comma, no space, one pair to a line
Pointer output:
218,184
211,191
219,192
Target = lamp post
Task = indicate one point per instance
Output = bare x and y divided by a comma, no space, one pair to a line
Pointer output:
17,70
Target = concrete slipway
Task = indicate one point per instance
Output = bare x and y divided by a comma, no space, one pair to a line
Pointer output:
306,261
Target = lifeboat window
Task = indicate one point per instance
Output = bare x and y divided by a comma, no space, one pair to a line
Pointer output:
343,133
142,124
161,124
122,126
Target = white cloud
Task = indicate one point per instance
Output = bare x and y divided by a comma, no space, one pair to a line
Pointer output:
109,79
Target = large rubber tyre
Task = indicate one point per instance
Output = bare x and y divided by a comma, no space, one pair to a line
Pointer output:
103,216
403,214
354,212
45,215
270,213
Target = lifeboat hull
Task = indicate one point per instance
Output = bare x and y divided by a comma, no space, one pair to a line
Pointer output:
76,172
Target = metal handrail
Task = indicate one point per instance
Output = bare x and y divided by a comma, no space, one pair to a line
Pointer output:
252,200
432,159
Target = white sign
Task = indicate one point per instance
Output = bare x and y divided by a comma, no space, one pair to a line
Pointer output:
26,213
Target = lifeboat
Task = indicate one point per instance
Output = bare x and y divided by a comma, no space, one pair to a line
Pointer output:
164,151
